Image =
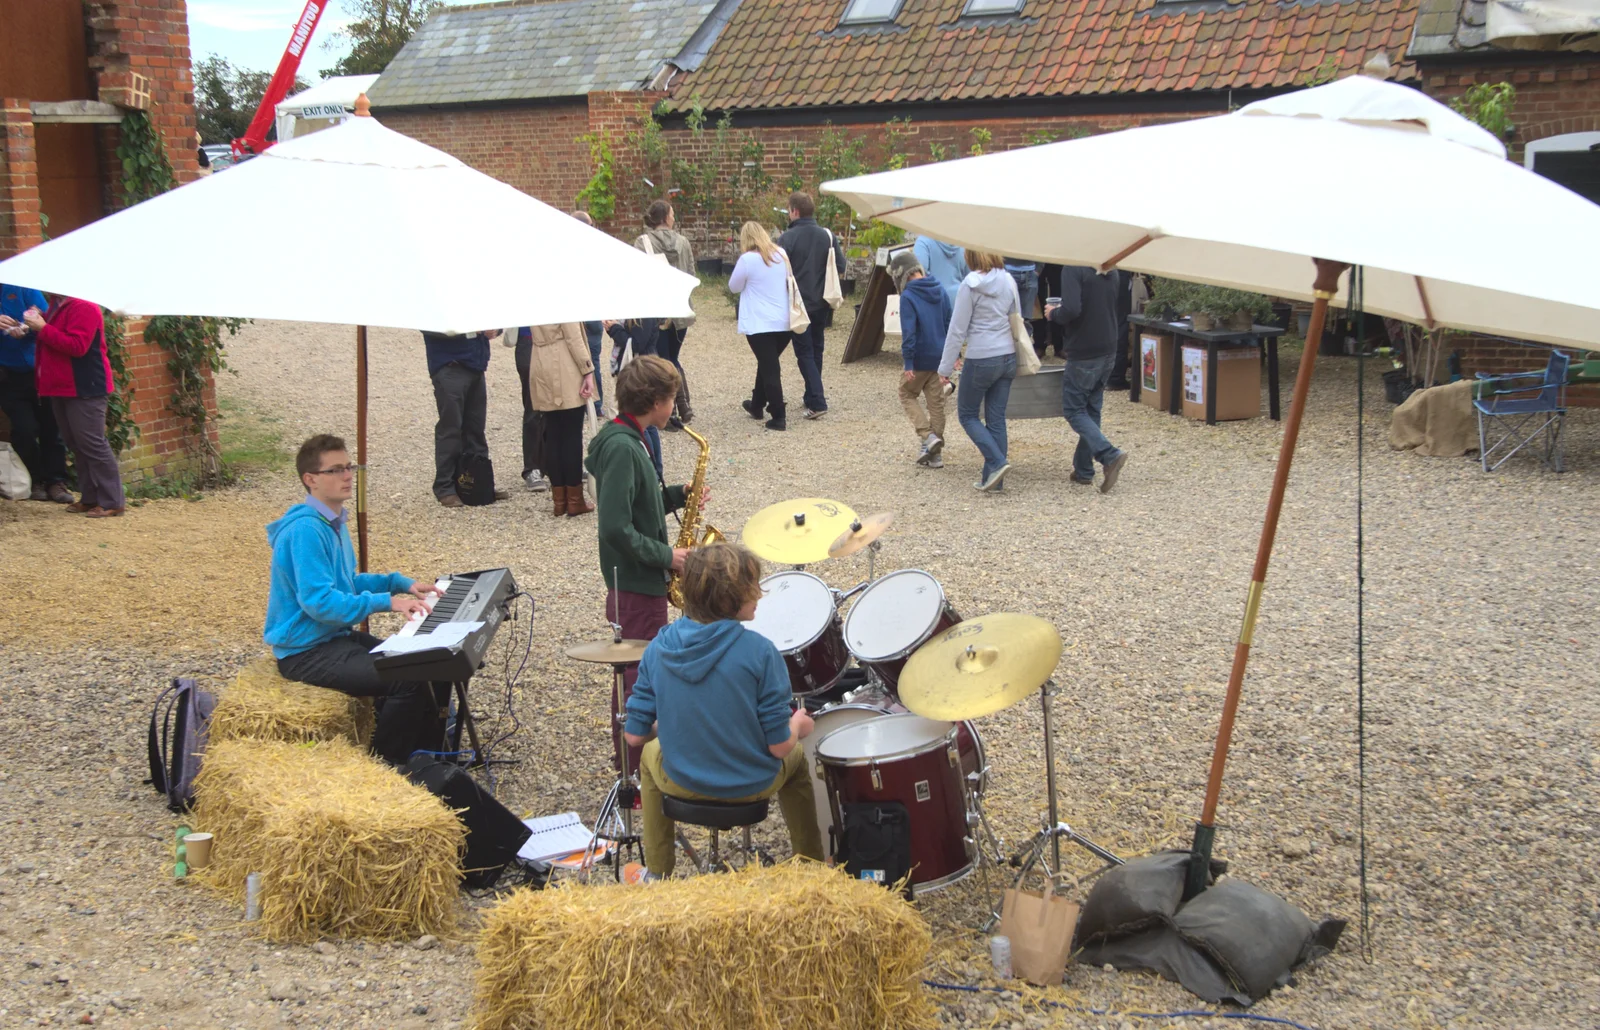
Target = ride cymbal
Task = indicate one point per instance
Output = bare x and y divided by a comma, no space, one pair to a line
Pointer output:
861,534
796,532
977,667
609,652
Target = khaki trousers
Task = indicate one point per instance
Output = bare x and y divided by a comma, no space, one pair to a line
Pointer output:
927,384
795,798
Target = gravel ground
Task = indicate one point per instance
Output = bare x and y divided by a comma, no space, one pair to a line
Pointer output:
1481,641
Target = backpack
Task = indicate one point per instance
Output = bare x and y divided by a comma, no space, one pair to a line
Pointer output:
475,480
177,741
875,842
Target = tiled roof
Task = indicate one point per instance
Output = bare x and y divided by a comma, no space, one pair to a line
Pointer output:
1449,27
794,53
531,49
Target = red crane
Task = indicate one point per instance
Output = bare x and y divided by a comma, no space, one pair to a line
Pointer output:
254,140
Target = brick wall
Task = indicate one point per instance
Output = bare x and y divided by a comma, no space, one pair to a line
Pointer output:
1497,357
19,179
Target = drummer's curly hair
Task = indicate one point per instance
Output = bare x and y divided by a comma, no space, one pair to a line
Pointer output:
718,580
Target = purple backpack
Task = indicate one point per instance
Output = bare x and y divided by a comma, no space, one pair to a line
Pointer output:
178,740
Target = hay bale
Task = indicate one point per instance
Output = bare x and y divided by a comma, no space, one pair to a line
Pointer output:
262,705
344,844
794,945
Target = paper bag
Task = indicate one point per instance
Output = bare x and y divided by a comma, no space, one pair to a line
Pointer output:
1040,926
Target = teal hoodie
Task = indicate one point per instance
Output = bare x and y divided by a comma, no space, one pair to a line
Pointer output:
719,696
316,593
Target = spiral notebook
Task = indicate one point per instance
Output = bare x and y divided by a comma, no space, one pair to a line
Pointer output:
554,836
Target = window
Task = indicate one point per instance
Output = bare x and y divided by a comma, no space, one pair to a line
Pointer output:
867,12
975,7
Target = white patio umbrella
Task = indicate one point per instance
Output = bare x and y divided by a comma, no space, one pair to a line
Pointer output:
399,234
1357,172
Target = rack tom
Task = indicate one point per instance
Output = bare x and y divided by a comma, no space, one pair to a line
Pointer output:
893,617
798,614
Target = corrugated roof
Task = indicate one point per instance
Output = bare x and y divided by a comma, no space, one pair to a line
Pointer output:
535,49
794,53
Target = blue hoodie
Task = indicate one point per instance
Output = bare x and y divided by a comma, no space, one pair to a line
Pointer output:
316,593
945,262
719,696
924,320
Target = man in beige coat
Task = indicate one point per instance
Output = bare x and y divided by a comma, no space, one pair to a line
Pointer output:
560,384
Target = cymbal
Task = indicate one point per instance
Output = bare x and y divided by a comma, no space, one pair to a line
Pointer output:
862,533
797,532
980,666
609,652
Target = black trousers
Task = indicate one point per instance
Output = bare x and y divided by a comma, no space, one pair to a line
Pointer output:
411,715
34,435
463,403
563,446
532,420
768,392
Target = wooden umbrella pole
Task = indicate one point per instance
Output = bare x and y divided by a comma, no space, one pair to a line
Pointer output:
361,445
1327,284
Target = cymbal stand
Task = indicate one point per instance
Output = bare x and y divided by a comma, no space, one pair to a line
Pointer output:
1053,831
615,819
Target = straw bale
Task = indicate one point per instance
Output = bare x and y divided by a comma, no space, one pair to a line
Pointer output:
794,945
262,705
344,844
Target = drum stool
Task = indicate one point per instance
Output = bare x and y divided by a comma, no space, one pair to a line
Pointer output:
716,816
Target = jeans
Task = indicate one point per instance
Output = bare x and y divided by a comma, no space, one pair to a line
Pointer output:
793,785
34,435
595,334
768,392
1027,292
563,447
410,713
82,421
927,386
808,355
641,617
533,428
463,403
986,382
1083,388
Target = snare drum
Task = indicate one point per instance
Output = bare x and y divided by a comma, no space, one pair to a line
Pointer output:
914,761
893,617
829,719
969,742
797,613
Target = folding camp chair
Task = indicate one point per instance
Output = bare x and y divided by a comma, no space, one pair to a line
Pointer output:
1526,417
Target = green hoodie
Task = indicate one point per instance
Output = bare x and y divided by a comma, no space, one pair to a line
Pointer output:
635,553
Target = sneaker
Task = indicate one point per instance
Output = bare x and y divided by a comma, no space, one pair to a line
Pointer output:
933,462
750,409
995,478
450,501
1113,470
634,872
38,493
536,482
933,444
1079,480
923,455
778,424
814,415
59,493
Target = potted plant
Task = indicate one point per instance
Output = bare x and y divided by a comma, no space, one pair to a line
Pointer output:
1211,306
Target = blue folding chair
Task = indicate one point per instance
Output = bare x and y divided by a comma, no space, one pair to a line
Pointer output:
1525,418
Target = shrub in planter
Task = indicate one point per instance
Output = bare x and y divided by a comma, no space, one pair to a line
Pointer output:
1209,305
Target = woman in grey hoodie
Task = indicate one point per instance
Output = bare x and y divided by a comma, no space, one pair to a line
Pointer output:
981,323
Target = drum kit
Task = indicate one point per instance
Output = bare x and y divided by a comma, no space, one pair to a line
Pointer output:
897,726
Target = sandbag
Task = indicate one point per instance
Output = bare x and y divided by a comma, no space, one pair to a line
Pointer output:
1438,422
1162,951
1136,895
1254,937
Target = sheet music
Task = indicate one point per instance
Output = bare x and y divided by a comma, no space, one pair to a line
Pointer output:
447,635
554,836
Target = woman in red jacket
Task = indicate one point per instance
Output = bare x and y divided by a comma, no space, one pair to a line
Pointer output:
75,374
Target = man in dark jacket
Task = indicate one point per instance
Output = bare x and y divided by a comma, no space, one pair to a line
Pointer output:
1087,316
810,247
925,311
636,557
457,364
33,419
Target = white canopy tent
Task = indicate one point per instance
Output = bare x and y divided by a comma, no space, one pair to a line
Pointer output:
1543,24
327,103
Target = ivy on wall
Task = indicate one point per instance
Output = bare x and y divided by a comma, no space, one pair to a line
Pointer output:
120,427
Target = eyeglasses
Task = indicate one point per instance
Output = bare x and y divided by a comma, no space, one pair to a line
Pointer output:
338,470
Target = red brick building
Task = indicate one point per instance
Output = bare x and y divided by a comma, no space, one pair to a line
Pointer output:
63,95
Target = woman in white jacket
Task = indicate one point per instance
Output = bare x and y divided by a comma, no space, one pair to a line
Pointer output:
985,302
761,279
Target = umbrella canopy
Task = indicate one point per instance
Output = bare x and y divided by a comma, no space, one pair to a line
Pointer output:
396,234
1358,171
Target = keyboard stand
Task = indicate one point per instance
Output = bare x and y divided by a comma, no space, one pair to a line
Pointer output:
465,720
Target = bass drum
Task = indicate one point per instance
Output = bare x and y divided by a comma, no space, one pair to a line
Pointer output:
798,614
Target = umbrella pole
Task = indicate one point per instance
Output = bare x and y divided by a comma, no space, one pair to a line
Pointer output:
1327,284
361,445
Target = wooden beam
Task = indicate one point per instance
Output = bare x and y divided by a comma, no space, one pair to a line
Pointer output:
75,112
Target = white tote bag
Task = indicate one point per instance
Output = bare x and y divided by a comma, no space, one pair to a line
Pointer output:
15,483
832,292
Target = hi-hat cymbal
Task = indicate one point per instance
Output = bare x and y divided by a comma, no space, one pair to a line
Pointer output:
862,533
980,666
609,652
797,532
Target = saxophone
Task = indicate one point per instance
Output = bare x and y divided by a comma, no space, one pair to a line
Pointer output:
689,533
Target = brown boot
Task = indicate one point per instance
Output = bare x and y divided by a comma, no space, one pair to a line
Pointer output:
559,493
577,504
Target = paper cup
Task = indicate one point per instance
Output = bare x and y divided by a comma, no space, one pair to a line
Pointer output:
198,846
